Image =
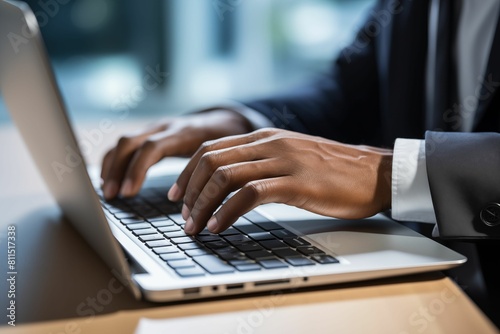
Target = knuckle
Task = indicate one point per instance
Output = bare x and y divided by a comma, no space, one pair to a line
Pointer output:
223,176
281,142
264,132
125,141
207,146
255,189
150,145
209,160
108,155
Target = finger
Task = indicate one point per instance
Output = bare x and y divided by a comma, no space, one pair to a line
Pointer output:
226,180
106,163
183,179
213,160
253,194
149,153
120,159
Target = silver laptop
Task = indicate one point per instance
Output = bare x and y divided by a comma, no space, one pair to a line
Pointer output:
142,239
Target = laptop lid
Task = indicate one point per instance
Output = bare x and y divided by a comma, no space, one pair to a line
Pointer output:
33,99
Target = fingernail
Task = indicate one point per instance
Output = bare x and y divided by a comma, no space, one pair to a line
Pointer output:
173,193
185,212
110,189
212,224
126,189
188,228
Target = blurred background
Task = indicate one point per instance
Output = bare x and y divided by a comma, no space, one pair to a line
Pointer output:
133,59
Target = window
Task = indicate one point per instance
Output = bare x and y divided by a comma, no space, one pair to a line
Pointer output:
164,57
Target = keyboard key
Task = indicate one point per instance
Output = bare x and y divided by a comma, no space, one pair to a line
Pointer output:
181,263
282,234
160,219
255,217
272,264
230,231
177,218
181,240
310,250
205,232
258,255
138,226
158,243
208,238
248,267
116,208
175,234
249,246
242,222
162,223
172,228
152,214
286,252
239,262
229,254
324,259
298,242
247,229
268,226
127,221
190,272
232,256
273,244
149,237
216,244
123,215
190,245
261,236
165,250
197,252
173,256
213,264
145,231
167,207
299,261
146,211
226,250
237,239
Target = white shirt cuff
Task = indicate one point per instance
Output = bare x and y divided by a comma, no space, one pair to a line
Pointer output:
411,195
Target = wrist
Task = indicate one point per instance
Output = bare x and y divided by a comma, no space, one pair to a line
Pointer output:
214,123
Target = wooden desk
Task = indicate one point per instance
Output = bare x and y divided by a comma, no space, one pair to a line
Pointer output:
58,273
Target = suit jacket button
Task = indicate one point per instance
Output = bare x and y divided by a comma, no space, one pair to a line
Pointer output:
490,215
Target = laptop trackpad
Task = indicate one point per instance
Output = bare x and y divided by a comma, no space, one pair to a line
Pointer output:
340,236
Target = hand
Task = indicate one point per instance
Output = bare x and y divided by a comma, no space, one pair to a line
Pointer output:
270,165
124,167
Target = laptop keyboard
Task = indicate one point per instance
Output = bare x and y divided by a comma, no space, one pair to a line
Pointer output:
252,243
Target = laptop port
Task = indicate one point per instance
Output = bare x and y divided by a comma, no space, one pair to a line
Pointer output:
273,282
191,291
234,287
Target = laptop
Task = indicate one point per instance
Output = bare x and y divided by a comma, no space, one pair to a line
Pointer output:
142,239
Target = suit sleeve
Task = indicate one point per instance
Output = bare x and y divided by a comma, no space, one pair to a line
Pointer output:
464,179
343,104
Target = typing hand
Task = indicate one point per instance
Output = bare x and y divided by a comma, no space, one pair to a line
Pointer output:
124,167
270,165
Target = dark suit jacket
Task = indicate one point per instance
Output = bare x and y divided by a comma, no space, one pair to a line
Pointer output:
375,93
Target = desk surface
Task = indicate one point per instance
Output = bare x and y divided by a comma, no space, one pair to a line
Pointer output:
58,273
